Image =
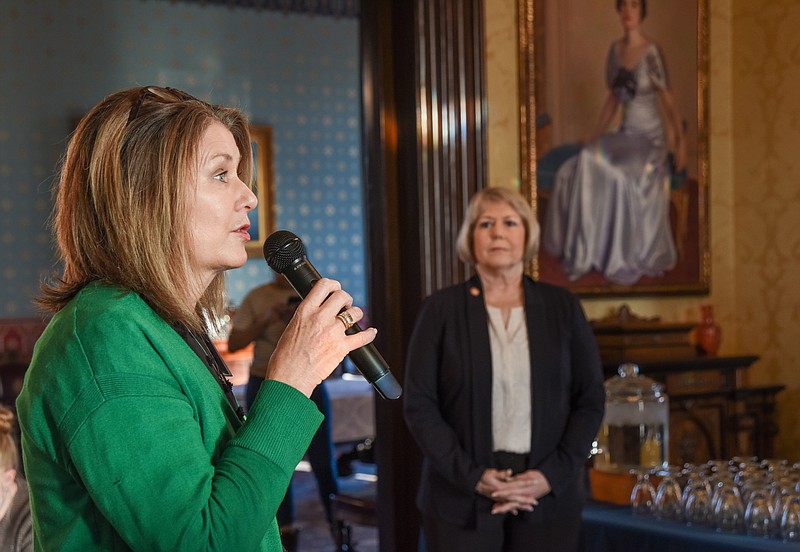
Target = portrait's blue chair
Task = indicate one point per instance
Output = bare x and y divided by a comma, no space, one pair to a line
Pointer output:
548,164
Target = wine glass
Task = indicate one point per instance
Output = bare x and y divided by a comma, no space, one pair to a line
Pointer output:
643,496
669,501
697,504
694,478
758,516
790,519
754,482
729,510
784,490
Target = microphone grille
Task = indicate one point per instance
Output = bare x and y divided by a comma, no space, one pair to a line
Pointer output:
282,249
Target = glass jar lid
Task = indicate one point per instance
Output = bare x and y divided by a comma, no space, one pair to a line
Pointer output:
629,385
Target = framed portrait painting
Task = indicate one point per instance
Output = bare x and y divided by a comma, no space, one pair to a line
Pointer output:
262,218
614,136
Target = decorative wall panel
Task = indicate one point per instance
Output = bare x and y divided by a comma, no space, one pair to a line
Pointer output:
336,8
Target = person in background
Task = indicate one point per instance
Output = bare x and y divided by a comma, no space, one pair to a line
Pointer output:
16,533
261,318
131,436
503,394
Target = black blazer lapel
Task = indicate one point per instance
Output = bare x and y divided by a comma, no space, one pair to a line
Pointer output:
481,367
541,354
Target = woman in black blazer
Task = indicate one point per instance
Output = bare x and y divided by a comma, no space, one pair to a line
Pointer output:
503,393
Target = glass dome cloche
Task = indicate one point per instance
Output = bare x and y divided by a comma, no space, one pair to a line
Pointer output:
634,435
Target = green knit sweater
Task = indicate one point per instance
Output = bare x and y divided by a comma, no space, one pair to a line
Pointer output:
130,444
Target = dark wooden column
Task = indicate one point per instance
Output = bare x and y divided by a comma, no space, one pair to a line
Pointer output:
424,156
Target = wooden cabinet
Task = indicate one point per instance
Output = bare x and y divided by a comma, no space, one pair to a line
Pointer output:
712,414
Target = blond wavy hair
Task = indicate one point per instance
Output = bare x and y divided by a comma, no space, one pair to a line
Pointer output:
465,245
9,456
121,213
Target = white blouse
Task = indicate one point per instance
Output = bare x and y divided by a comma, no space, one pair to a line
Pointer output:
511,381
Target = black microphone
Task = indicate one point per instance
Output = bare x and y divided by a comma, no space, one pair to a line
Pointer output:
286,254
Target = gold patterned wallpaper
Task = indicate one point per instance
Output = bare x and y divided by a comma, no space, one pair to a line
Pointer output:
766,196
754,196
502,92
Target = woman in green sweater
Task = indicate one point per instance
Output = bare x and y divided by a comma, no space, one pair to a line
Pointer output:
131,437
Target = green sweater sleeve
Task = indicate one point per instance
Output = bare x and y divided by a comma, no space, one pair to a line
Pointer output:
151,465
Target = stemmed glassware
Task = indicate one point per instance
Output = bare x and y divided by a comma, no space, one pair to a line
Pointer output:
742,495
758,516
728,509
782,491
790,519
753,481
697,503
643,495
669,500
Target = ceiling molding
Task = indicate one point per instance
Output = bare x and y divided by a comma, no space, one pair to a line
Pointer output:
331,8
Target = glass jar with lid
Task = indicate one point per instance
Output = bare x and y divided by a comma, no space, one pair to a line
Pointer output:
634,435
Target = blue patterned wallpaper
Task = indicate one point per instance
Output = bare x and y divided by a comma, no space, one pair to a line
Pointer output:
297,73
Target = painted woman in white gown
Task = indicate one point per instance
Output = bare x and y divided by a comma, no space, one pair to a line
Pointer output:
609,210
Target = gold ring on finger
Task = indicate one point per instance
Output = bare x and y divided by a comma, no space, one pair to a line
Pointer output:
346,318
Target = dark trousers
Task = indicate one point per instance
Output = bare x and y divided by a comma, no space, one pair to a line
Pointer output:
320,454
515,535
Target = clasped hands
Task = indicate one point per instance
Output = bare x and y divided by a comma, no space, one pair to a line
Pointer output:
513,493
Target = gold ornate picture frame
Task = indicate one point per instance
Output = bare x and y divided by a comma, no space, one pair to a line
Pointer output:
262,218
563,46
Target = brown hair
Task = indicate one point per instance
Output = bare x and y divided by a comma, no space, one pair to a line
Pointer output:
465,241
9,456
121,213
642,4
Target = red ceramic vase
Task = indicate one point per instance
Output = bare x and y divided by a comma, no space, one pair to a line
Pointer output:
708,333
